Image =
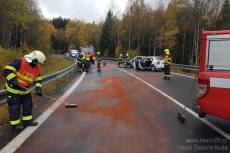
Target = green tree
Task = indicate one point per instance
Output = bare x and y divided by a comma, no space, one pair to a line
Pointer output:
224,22
107,40
60,23
59,41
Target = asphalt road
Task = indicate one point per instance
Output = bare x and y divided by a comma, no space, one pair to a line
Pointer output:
119,113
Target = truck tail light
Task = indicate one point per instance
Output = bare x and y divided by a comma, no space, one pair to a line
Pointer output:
202,87
158,62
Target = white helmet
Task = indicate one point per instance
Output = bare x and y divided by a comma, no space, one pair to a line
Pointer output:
98,53
36,55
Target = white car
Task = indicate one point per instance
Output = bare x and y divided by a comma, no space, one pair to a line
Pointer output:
74,53
153,63
157,63
132,61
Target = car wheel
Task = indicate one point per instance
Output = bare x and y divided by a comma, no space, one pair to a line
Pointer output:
153,68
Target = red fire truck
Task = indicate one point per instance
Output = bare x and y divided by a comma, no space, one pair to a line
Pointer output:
213,83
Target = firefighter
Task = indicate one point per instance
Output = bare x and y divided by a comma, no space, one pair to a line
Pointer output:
21,74
98,61
88,61
127,59
120,59
167,64
79,62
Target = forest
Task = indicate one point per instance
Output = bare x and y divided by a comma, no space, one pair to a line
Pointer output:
141,30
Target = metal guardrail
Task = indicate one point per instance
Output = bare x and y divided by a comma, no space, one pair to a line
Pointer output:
186,67
109,58
46,79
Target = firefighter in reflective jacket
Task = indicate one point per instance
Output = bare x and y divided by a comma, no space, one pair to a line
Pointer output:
88,61
98,61
167,64
21,74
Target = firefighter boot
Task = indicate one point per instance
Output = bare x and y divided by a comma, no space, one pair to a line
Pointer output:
30,123
18,128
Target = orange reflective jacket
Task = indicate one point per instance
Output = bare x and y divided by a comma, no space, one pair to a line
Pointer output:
27,74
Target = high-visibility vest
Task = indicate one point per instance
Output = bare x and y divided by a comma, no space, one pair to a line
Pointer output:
167,59
83,57
87,57
98,58
27,74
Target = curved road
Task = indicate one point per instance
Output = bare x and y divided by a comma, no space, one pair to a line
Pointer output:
124,111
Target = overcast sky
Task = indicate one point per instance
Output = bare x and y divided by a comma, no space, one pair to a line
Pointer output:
87,10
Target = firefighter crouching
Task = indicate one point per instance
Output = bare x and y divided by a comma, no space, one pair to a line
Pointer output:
167,63
21,74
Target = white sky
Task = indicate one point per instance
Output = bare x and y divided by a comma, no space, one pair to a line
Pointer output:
87,10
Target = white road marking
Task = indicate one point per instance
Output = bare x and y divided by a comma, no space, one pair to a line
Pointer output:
211,125
25,134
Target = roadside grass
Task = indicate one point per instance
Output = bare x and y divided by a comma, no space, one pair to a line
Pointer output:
53,64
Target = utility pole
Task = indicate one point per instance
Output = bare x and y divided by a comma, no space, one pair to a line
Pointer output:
149,43
129,36
118,38
139,34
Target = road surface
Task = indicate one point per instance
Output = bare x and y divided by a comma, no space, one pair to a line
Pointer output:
123,111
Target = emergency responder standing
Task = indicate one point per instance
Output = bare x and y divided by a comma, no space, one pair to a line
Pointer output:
21,74
127,59
98,61
167,64
88,61
119,63
83,60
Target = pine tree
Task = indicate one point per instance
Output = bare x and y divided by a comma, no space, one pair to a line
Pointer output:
224,22
107,43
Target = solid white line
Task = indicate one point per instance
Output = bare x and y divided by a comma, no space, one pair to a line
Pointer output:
25,134
183,75
211,125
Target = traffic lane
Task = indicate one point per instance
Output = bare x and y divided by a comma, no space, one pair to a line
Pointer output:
119,114
40,105
180,88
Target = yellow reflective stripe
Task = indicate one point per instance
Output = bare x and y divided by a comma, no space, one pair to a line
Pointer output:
15,122
11,68
14,91
10,76
38,79
38,84
24,77
27,118
87,57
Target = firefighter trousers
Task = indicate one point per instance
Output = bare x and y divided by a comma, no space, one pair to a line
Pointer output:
167,70
19,106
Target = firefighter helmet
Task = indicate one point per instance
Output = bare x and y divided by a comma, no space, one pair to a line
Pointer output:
166,51
36,55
